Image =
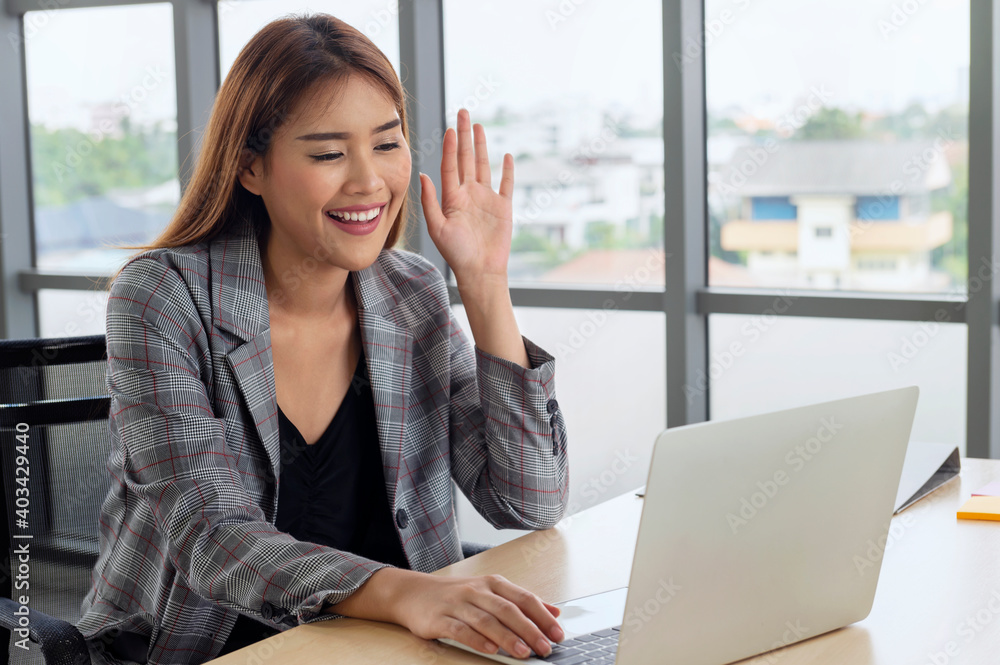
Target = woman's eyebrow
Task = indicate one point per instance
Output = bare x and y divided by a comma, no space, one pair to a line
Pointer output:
331,136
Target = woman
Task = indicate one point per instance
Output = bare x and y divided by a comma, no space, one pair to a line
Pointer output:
273,305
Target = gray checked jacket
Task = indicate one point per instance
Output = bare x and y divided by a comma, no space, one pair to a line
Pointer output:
187,535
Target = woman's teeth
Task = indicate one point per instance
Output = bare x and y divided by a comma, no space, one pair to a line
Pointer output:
363,216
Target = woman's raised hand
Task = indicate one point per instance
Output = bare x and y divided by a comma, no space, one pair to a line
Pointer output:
472,225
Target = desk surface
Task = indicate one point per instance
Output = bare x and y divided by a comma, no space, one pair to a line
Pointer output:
938,598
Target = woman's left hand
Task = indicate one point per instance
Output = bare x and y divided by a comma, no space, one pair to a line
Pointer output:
472,225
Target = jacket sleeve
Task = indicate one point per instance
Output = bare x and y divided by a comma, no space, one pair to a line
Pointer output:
176,459
508,436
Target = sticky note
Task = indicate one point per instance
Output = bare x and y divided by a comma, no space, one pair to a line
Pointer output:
981,508
993,489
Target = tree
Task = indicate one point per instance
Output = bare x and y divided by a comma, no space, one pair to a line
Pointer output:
68,164
831,123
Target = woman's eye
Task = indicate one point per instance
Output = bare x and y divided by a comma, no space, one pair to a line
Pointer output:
328,157
386,147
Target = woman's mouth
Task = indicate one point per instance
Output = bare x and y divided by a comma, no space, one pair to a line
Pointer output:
357,222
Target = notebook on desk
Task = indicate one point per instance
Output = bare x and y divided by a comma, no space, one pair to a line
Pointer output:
927,467
765,558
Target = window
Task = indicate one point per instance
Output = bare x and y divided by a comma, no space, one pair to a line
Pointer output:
845,122
763,363
773,207
588,158
588,205
611,387
103,147
880,208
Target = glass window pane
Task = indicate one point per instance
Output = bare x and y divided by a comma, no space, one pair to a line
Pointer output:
239,20
611,386
765,363
103,112
63,313
576,96
838,157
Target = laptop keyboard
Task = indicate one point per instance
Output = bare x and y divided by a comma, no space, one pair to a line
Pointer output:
595,648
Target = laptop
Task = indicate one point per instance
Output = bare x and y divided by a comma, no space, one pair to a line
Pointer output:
750,536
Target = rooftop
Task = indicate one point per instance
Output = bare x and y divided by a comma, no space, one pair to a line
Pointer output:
858,167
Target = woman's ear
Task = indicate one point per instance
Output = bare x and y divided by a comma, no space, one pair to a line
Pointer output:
250,172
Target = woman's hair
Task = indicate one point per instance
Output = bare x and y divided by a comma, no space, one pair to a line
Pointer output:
289,58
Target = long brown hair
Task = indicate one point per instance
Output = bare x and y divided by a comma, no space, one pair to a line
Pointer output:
287,59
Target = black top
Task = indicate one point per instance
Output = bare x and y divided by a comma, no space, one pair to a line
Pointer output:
333,492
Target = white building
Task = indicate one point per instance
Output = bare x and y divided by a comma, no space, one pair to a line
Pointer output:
838,214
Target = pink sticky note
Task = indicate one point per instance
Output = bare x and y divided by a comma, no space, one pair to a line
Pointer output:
993,489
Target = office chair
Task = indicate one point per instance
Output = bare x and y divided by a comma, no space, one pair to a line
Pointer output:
57,388
54,397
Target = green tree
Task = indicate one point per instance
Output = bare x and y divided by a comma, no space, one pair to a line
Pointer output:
953,256
831,123
68,164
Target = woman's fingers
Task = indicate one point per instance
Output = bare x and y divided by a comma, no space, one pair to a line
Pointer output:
525,613
466,160
482,156
464,155
507,177
460,631
432,209
494,630
449,164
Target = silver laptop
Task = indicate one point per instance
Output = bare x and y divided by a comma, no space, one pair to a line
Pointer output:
750,536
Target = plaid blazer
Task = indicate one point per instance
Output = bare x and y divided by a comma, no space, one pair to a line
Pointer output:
187,536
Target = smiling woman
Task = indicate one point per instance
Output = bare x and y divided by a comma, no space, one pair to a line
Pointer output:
292,397
315,174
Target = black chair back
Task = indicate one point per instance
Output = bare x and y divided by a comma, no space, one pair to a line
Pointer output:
55,444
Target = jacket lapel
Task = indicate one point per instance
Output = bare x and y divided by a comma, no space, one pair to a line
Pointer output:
239,305
388,350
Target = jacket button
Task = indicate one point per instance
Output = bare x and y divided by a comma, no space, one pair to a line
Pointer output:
401,518
267,610
551,405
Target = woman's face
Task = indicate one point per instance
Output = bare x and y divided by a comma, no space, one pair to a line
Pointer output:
337,173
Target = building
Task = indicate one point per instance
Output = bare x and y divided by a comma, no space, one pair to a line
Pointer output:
839,214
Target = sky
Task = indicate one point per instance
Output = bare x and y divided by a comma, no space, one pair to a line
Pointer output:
763,56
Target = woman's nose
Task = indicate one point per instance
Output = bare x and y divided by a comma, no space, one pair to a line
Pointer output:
363,176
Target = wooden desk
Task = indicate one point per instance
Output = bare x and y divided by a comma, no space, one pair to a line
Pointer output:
938,599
